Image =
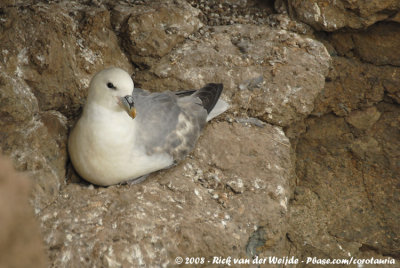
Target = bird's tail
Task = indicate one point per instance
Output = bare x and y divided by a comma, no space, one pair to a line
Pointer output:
220,107
209,96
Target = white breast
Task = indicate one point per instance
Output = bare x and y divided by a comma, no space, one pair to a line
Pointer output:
103,149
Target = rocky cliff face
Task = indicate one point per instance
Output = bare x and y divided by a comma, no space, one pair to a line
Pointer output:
305,163
21,244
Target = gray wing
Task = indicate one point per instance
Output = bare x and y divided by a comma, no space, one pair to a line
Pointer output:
168,123
137,92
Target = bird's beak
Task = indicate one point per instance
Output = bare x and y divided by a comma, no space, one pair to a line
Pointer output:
128,105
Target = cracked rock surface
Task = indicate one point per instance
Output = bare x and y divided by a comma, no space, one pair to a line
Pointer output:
210,204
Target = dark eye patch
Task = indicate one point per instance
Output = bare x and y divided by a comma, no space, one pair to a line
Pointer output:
111,85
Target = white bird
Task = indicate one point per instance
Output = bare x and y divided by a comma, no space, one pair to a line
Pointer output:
125,133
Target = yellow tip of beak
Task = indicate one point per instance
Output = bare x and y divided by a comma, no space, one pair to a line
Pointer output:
132,112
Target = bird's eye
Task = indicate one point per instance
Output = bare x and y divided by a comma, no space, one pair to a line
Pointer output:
111,85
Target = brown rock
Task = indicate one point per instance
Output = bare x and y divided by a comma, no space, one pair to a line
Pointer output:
17,102
253,63
331,16
35,140
153,222
151,31
48,48
375,45
363,119
356,85
395,18
365,146
345,196
47,57
39,146
378,43
20,241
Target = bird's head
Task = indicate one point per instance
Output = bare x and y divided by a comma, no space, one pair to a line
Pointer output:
112,88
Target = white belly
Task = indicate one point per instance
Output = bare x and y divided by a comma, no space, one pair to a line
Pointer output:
106,154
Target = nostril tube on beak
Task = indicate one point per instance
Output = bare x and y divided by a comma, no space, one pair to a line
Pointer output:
128,104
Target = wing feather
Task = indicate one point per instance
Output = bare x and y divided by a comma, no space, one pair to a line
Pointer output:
168,123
